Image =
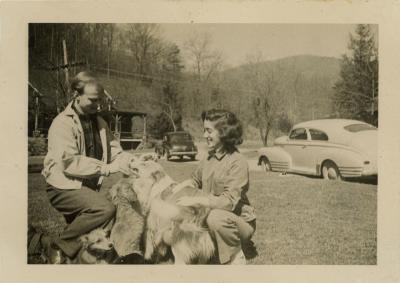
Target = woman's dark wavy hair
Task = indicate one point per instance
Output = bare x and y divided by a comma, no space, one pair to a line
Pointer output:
228,126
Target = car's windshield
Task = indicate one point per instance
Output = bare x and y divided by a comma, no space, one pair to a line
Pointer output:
355,128
176,138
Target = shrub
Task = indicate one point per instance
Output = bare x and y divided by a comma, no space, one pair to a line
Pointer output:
284,123
37,146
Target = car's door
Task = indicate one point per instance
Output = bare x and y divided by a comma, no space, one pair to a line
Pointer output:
297,147
317,148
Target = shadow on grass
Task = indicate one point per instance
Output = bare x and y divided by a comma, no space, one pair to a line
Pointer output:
369,180
181,160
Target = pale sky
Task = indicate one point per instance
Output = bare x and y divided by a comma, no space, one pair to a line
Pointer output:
273,40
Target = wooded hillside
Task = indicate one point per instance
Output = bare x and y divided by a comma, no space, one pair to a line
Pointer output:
144,73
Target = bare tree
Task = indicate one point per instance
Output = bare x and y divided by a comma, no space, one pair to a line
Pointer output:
205,63
266,102
142,40
110,28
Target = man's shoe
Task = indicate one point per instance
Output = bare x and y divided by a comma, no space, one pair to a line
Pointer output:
249,249
55,255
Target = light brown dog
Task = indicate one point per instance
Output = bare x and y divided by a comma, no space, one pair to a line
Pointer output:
168,224
96,249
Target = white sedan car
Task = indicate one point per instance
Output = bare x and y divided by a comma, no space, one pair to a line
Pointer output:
331,148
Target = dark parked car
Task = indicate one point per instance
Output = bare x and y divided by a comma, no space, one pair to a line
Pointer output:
177,144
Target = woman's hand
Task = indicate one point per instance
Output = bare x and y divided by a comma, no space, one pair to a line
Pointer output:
194,201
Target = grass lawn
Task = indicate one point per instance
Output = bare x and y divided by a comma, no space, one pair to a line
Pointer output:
300,220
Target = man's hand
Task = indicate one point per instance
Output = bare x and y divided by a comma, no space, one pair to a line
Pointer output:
124,162
121,164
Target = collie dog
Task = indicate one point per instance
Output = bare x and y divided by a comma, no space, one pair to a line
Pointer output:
168,225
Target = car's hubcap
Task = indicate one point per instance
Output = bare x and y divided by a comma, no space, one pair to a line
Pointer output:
330,173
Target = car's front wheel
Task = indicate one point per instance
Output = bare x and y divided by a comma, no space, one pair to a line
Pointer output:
330,171
265,164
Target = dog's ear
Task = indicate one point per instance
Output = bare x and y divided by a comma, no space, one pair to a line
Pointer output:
158,175
108,233
84,240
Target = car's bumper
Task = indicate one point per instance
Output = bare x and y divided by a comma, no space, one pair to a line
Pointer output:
354,172
180,153
370,172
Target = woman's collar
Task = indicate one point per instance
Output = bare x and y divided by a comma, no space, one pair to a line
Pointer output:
218,154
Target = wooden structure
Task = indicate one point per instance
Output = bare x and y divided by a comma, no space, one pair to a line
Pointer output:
120,123
36,94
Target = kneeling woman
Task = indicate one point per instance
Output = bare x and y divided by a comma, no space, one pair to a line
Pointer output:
224,176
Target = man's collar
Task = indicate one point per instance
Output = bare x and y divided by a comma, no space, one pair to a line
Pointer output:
69,111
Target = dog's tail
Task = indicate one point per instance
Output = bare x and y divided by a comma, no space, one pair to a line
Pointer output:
192,241
181,228
159,222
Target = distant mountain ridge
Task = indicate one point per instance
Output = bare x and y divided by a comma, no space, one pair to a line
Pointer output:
316,76
303,63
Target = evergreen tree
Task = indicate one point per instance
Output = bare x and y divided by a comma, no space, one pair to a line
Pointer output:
356,92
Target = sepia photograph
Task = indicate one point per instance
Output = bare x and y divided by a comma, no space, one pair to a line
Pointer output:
202,143
199,141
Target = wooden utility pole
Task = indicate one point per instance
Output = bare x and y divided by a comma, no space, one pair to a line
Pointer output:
66,67
37,109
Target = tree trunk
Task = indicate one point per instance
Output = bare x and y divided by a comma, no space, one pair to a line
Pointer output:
265,140
108,65
66,67
51,43
260,129
76,52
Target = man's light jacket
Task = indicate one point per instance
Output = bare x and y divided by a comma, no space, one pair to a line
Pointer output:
66,163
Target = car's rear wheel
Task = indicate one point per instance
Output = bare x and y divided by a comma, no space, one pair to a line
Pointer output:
330,171
265,164
193,157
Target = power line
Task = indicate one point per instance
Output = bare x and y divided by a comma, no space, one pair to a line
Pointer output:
160,79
